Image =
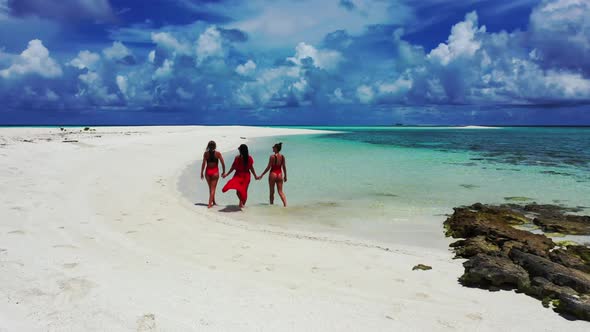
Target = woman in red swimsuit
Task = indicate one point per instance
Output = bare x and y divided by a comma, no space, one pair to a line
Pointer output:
278,173
211,159
243,165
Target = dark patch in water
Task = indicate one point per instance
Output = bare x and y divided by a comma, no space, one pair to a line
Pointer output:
550,147
469,186
385,195
556,173
517,199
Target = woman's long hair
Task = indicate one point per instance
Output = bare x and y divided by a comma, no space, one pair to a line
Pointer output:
244,153
211,146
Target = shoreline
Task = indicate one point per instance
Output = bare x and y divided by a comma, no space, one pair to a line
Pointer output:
96,236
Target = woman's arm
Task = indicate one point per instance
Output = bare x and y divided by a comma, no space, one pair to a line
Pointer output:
224,175
203,164
251,162
222,162
284,169
267,168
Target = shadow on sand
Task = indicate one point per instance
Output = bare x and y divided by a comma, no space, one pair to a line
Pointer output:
231,208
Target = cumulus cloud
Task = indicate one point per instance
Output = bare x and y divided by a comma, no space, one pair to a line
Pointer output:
118,52
559,31
247,68
365,94
209,44
547,63
461,42
85,59
34,60
169,42
323,59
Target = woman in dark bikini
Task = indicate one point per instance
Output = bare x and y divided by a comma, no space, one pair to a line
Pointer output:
211,159
278,173
243,165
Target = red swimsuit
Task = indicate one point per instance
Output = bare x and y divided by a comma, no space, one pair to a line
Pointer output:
212,170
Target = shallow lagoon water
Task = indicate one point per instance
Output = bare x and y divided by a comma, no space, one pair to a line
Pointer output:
379,182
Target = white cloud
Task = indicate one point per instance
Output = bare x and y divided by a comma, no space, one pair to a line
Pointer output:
400,86
95,90
461,42
323,59
122,84
85,59
209,44
34,60
365,94
337,97
165,71
116,52
168,42
247,68
182,93
287,22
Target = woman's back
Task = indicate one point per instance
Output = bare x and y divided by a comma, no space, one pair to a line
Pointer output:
240,166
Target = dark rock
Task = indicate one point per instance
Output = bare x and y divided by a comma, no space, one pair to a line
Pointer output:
485,271
495,225
554,272
566,224
503,257
422,267
544,289
549,209
578,306
575,256
473,246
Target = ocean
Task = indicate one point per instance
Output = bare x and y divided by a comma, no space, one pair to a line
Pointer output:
376,182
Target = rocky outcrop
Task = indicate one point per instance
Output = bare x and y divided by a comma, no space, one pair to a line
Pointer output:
501,256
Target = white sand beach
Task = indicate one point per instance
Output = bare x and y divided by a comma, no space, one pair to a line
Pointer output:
95,236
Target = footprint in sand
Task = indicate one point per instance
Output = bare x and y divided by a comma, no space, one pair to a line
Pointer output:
446,324
68,246
422,296
130,232
18,231
474,316
146,322
75,288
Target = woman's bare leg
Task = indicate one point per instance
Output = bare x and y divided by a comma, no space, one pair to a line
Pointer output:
271,186
280,190
212,182
212,189
241,204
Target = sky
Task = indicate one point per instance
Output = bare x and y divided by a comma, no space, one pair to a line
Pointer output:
295,62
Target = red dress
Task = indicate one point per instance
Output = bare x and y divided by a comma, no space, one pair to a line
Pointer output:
241,179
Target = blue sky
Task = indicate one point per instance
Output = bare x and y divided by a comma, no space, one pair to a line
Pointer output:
295,62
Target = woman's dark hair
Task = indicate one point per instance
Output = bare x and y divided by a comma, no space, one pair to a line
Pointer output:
279,146
211,146
244,153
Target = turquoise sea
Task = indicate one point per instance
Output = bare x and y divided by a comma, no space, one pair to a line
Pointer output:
377,182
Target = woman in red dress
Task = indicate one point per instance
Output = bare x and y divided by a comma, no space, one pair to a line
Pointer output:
278,173
211,159
243,165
